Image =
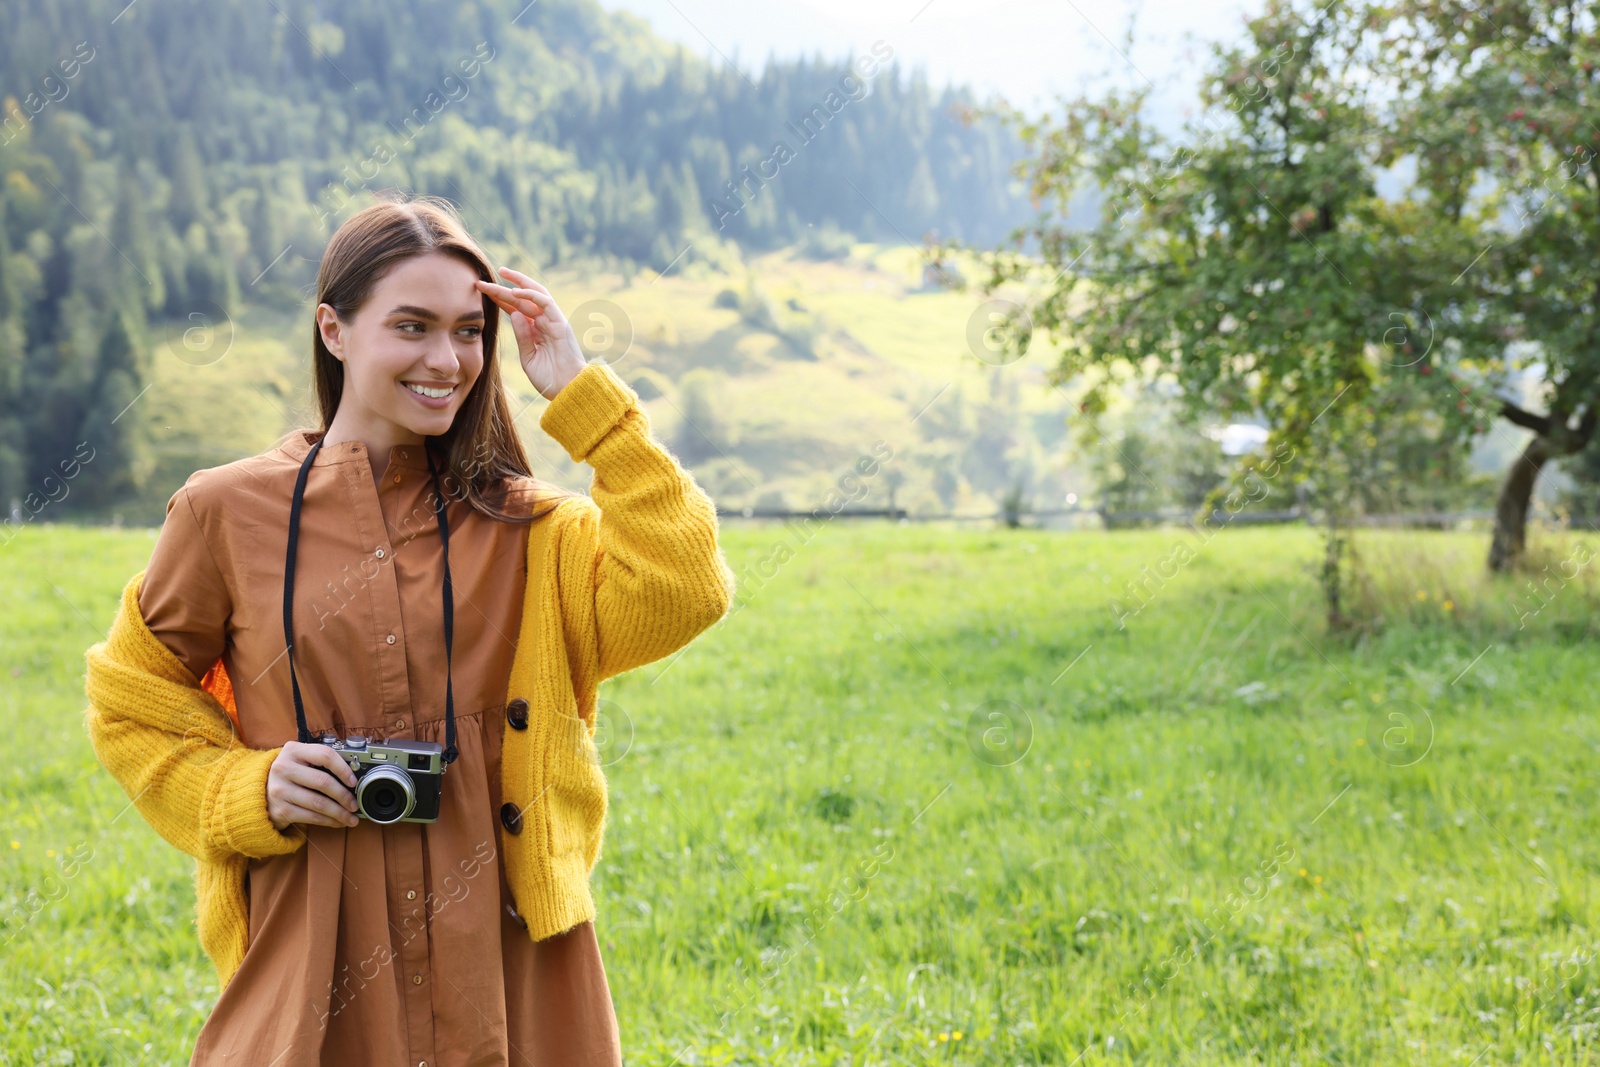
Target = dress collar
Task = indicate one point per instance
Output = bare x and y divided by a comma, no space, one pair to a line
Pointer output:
299,442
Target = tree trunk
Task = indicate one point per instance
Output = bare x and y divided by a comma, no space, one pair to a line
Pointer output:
1511,509
1333,553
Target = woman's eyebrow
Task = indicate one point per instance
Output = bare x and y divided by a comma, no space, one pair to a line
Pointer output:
423,313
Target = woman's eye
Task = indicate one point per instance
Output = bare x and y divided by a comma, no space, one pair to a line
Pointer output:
470,333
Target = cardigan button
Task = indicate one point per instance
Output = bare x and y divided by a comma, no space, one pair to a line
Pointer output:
517,714
511,818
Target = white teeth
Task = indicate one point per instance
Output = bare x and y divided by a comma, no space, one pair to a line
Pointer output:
437,394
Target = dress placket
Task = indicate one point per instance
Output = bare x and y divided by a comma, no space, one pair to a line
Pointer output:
404,843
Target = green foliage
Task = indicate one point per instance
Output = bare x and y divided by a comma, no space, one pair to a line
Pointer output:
985,442
1402,445
825,242
1251,256
1240,255
798,328
1150,457
1495,107
1498,116
119,443
1581,499
702,432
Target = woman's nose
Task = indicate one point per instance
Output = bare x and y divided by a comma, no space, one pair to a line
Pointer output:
441,358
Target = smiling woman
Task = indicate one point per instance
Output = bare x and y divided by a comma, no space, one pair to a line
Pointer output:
476,611
412,355
399,305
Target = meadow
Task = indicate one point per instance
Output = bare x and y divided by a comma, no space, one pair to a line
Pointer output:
918,799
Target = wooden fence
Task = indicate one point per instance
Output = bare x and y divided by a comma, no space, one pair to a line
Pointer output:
1424,520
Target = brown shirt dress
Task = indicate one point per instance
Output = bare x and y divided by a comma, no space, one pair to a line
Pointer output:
386,945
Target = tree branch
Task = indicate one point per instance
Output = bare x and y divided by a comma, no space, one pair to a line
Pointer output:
1539,424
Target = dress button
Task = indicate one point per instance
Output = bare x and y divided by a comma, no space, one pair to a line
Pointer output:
416,979
390,639
396,479
399,724
379,553
511,818
411,894
517,714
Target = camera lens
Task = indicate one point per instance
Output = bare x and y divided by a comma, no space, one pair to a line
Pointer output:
384,794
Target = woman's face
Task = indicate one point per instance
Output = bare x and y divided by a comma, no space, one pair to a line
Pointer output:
422,326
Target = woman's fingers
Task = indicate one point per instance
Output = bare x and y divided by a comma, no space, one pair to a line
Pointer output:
523,297
307,805
523,280
528,301
323,758
318,780
494,291
527,287
326,757
522,328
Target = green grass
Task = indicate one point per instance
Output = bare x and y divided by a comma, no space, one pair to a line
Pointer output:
815,858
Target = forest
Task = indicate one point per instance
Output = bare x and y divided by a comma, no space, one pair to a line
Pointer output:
145,195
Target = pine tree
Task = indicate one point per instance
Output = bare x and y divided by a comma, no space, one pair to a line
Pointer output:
190,200
13,457
112,431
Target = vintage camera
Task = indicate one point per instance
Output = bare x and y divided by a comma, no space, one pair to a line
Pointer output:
396,781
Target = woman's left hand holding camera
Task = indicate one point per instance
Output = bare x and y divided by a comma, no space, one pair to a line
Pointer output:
546,345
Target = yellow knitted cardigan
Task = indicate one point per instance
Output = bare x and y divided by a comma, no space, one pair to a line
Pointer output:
616,579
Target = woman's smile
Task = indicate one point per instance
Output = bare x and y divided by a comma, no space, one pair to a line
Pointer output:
432,396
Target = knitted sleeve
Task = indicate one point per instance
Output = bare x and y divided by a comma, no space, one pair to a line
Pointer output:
645,570
168,742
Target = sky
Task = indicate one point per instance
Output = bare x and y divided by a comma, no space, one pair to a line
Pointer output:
1028,51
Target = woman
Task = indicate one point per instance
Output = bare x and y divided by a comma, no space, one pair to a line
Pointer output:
483,625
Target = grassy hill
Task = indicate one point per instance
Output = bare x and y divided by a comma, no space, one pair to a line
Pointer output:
770,401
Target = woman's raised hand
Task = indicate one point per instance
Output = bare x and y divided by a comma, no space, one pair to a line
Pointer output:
301,789
546,344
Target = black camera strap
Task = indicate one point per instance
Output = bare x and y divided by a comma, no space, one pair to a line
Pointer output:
449,600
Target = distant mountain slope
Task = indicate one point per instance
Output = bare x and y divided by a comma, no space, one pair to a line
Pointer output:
820,385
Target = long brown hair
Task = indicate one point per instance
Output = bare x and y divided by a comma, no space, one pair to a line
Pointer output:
481,452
